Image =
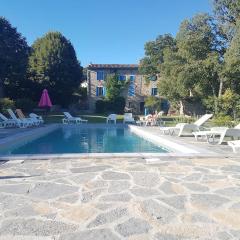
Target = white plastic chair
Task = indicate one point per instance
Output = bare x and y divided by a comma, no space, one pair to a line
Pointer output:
112,118
128,118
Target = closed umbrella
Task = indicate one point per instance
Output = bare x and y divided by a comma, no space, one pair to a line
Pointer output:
45,101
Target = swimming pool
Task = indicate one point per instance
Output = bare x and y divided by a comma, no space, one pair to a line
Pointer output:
87,140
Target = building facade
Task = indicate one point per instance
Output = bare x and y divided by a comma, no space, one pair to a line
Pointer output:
137,90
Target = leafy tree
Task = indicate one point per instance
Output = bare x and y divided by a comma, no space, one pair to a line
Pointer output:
196,37
13,60
232,62
53,65
189,65
154,55
194,68
114,86
228,14
153,103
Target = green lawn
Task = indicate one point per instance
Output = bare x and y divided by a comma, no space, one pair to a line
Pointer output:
57,118
93,118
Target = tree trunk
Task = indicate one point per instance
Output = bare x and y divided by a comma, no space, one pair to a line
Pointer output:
190,93
215,100
181,108
220,88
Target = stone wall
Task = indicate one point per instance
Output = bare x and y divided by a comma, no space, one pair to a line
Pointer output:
142,89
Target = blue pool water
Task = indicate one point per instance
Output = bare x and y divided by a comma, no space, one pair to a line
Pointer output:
88,140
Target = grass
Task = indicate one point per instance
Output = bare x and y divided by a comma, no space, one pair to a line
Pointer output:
101,118
57,118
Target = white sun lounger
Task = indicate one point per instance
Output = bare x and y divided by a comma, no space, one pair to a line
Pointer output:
22,123
218,133
6,122
21,116
37,117
70,119
183,128
112,118
234,145
128,118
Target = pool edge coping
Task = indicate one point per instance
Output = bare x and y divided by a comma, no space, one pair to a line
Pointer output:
157,140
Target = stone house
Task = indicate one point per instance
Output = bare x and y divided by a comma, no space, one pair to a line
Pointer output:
136,93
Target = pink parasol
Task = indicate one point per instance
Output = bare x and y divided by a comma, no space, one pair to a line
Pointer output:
45,100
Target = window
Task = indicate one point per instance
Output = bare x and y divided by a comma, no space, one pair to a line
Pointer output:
122,77
153,78
131,89
100,91
132,78
154,91
100,75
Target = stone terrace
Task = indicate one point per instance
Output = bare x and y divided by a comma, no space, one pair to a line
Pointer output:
112,199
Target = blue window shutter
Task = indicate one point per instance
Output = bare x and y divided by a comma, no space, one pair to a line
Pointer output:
122,77
132,78
96,91
100,75
131,89
152,92
104,91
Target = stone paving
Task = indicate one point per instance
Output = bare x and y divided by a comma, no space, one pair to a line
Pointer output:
112,199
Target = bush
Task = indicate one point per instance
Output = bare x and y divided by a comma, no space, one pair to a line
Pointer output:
101,106
27,105
153,104
6,103
223,120
118,105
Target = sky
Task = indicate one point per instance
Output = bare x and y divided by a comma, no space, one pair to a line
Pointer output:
102,31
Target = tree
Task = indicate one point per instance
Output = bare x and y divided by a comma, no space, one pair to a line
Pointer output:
153,103
114,100
13,60
154,55
228,13
53,65
232,62
194,69
196,37
114,86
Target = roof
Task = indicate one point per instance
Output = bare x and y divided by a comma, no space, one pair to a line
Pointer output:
101,66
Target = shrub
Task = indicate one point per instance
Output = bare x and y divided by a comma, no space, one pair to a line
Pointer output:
153,103
6,103
118,105
27,105
101,106
223,120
